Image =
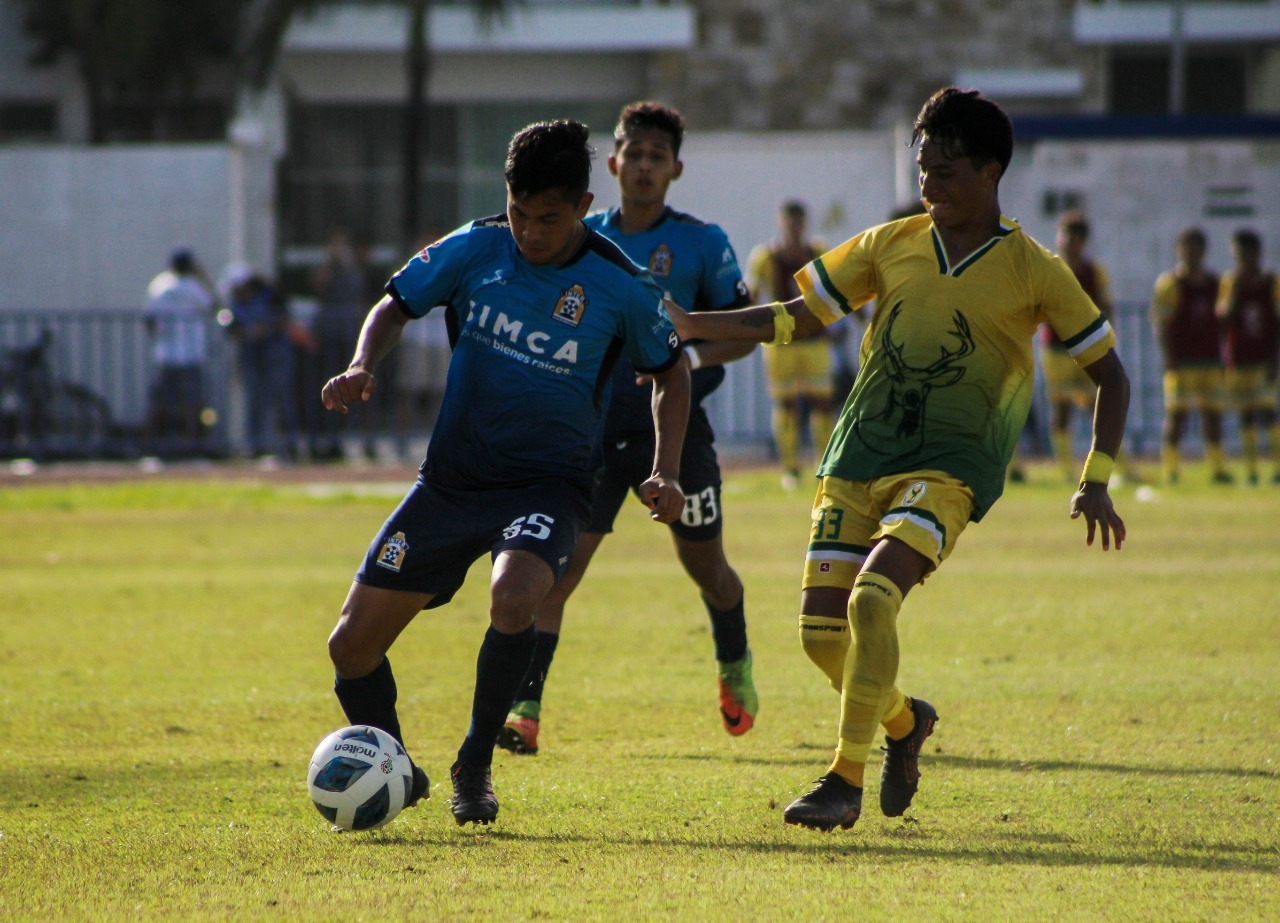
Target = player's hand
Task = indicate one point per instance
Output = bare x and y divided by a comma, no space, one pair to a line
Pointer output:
1094,503
664,498
340,391
680,319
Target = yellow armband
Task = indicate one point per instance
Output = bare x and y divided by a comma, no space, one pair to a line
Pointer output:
784,325
1097,468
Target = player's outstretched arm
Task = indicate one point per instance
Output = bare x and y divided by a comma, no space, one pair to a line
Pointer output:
670,405
1092,501
380,333
758,324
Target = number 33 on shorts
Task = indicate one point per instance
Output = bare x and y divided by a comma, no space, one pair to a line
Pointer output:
535,525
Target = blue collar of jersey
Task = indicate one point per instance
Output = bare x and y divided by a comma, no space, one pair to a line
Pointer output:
615,214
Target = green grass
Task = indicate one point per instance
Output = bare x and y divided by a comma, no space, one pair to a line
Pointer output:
1108,745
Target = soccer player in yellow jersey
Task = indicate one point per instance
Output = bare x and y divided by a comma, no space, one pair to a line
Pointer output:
921,447
802,372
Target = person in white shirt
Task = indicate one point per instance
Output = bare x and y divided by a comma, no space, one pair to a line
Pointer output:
179,308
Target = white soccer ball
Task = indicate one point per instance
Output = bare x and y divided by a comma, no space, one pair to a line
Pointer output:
360,778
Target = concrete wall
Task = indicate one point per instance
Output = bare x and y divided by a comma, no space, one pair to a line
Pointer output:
89,227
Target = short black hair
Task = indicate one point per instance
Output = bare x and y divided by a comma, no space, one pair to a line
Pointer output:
1247,239
794,208
1075,224
649,114
965,124
550,156
1193,235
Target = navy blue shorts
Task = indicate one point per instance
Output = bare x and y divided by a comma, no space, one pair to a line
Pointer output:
434,536
628,463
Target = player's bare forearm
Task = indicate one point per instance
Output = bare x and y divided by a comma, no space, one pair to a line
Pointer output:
670,405
721,353
379,335
752,325
1092,500
1111,409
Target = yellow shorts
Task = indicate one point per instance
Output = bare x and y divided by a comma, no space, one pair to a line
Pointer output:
801,368
1201,386
1066,381
926,510
1252,388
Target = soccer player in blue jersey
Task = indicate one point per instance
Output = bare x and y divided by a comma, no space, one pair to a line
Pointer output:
539,307
695,265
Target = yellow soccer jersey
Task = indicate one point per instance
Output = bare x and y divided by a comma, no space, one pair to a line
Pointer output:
947,365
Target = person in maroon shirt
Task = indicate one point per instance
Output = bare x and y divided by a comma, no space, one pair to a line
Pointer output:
1249,312
1186,320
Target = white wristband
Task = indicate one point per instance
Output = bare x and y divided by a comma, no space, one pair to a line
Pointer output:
695,361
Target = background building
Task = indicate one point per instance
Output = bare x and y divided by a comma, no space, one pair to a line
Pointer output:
1150,115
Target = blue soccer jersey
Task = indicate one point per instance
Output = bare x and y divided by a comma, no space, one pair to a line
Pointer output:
698,270
533,349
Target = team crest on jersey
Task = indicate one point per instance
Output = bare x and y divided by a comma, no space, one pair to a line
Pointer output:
913,494
393,551
660,260
571,306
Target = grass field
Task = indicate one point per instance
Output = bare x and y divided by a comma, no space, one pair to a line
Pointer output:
1108,747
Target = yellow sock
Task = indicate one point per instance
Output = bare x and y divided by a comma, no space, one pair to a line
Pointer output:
1169,462
787,438
1217,461
821,423
851,772
870,668
1060,442
899,719
1249,449
826,642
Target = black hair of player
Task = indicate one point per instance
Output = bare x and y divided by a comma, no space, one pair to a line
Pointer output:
1075,224
794,208
648,114
1193,235
1248,240
965,124
550,156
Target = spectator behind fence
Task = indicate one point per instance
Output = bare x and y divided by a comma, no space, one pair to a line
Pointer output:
179,307
339,284
1248,302
258,321
1183,310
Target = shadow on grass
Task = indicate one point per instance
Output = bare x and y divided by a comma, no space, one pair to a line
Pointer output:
1024,848
980,763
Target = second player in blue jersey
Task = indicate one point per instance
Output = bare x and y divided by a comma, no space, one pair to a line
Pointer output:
695,265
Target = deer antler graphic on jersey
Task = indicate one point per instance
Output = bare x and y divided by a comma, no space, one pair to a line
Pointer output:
905,408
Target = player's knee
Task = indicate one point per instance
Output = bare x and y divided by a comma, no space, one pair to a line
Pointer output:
873,611
351,659
826,642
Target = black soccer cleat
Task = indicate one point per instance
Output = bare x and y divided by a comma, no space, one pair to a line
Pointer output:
419,788
900,773
832,803
473,799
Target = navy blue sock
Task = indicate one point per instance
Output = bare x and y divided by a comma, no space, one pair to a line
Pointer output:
543,654
371,699
500,670
729,631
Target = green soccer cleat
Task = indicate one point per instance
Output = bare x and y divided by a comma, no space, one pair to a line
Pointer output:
473,799
739,702
832,803
900,773
519,735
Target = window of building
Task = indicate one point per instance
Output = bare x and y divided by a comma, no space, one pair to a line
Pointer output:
1214,83
24,120
343,167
